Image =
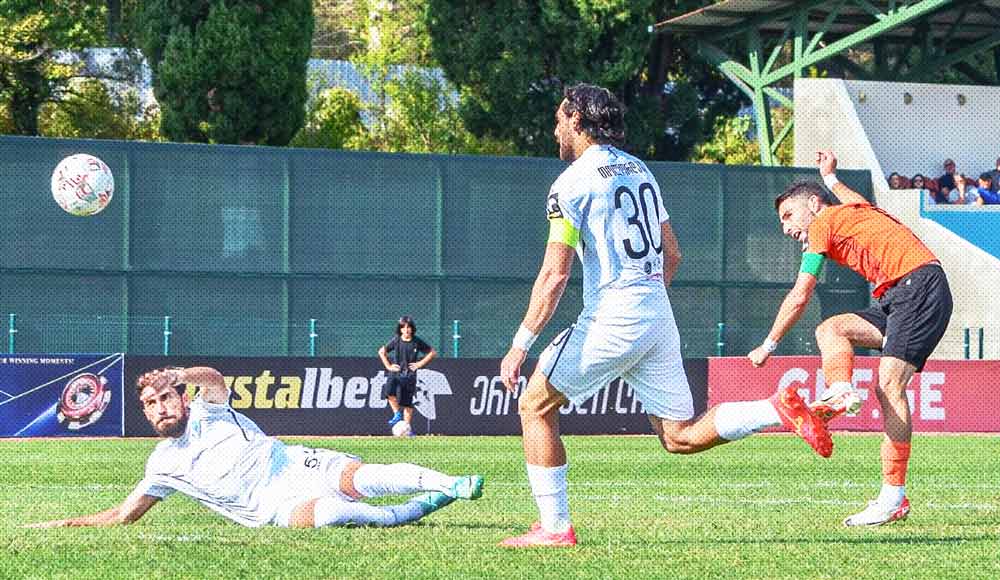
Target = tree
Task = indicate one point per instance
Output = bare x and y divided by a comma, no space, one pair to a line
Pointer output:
512,59
228,71
411,107
32,32
733,142
333,121
339,28
91,111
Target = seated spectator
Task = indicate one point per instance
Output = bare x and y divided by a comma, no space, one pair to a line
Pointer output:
964,192
895,181
946,182
987,195
917,182
995,177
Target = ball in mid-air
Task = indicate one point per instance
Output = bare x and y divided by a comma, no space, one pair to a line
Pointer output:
82,184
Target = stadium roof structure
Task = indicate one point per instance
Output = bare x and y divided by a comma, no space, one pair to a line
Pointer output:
911,42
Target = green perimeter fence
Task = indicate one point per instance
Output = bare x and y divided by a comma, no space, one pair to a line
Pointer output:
256,251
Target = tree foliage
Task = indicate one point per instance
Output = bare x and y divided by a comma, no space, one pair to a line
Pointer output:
91,111
32,32
733,141
333,121
228,71
511,60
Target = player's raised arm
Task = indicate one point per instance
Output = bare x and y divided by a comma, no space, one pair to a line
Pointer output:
791,310
130,510
211,383
827,163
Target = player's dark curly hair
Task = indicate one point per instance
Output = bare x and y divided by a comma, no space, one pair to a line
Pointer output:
602,115
804,189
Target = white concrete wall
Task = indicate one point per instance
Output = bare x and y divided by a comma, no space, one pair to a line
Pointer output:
869,126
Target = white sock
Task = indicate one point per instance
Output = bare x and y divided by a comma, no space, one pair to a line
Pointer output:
738,420
332,511
548,485
375,480
891,495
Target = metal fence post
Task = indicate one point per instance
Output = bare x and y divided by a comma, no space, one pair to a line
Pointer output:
11,331
455,337
965,342
981,342
720,339
166,335
312,337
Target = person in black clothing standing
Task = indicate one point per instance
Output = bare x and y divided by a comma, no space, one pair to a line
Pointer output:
402,356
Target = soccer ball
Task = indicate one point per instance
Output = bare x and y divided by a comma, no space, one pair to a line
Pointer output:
82,184
402,429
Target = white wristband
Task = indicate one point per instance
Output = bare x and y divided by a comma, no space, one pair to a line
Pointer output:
830,180
524,338
770,345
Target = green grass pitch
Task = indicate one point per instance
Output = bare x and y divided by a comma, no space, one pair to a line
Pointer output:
766,507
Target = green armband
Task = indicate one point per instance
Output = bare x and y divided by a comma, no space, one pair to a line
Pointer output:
811,263
560,230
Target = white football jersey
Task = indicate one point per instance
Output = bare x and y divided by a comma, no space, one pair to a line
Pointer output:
614,201
223,460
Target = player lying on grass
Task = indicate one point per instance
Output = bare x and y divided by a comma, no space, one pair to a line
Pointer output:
224,461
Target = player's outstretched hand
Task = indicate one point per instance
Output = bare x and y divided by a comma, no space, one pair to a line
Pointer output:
827,162
510,368
758,356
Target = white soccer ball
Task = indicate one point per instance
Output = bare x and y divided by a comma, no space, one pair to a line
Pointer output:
82,184
402,429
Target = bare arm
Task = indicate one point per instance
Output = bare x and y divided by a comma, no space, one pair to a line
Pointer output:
827,163
791,310
545,294
130,510
671,253
210,381
385,361
549,285
426,360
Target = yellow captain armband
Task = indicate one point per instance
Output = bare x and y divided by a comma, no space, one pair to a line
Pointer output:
560,230
811,263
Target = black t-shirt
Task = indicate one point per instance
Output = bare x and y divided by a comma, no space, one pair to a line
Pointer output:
404,352
946,181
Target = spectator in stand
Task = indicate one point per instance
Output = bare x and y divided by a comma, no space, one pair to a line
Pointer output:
987,194
946,182
896,181
964,192
995,177
918,182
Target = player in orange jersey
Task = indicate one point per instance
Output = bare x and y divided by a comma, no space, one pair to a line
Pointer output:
909,319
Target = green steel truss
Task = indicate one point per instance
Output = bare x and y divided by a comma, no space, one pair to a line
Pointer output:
782,44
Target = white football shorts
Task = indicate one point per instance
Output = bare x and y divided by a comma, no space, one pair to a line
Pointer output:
310,474
645,353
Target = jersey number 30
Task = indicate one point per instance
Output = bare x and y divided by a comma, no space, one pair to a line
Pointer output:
649,238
